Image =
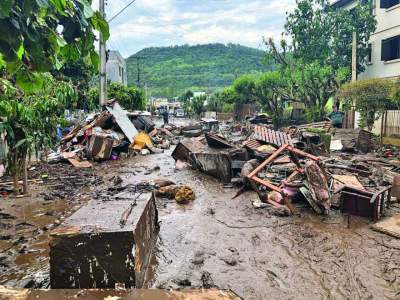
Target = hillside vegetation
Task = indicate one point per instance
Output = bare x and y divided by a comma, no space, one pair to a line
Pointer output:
169,71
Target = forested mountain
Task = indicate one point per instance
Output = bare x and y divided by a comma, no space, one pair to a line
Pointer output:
169,71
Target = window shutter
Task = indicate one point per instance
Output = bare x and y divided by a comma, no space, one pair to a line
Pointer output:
385,3
398,47
385,53
389,3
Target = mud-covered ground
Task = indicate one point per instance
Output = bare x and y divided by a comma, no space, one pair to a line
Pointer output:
214,241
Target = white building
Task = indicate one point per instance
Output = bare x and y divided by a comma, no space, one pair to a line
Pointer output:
116,68
199,94
384,56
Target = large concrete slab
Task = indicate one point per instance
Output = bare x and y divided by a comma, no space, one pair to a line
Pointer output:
94,249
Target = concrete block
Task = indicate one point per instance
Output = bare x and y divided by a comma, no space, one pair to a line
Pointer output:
94,248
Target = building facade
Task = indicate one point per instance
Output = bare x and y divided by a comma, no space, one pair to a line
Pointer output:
116,68
384,48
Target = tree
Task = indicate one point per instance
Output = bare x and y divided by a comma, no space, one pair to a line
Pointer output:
270,87
29,122
185,99
36,37
215,102
80,74
245,88
39,36
371,97
229,95
129,97
197,105
318,59
323,32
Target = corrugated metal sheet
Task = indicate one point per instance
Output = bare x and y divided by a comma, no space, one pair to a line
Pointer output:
252,144
270,136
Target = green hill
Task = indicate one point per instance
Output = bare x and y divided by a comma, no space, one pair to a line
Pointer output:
169,71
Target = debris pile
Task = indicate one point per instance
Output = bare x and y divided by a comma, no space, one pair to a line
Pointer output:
298,164
111,134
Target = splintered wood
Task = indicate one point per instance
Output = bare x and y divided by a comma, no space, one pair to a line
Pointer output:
270,136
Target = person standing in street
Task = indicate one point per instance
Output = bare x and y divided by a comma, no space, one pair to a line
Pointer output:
165,116
336,117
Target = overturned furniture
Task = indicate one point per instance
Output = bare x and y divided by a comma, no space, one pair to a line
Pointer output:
253,176
358,202
104,243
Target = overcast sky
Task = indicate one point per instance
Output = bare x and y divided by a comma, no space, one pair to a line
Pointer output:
149,23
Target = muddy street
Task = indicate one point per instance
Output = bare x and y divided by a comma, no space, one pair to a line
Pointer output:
214,241
217,241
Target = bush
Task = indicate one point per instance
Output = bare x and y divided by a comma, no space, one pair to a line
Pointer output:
371,98
129,97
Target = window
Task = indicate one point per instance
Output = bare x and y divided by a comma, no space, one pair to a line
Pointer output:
389,3
391,48
369,54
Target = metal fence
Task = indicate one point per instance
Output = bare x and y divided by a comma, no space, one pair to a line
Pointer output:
390,123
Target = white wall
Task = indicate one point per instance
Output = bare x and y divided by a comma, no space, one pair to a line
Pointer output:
388,25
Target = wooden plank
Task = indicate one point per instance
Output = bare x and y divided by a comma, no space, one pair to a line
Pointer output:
267,161
267,184
390,226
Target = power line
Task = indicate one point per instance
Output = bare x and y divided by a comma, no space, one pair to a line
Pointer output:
120,12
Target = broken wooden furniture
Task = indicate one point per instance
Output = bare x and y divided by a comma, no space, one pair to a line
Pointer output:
358,202
216,141
104,243
253,175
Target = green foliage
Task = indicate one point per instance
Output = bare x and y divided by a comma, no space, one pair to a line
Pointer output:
78,73
215,102
38,36
396,91
322,32
269,89
185,99
227,108
319,59
197,105
129,97
169,71
371,98
30,122
245,89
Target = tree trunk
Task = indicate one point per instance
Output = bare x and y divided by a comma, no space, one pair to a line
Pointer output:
15,173
25,173
15,183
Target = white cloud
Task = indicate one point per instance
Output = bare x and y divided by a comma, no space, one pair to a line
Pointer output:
170,22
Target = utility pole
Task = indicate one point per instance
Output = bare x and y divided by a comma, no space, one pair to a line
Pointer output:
138,58
354,58
102,52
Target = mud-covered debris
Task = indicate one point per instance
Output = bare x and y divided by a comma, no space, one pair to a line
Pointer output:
181,194
145,152
229,260
184,195
207,281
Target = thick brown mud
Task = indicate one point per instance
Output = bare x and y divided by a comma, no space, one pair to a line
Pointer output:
217,241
